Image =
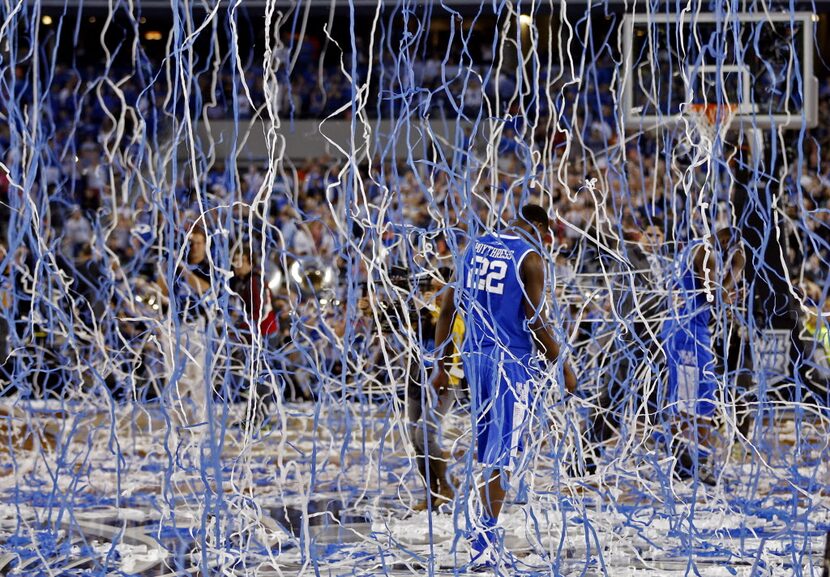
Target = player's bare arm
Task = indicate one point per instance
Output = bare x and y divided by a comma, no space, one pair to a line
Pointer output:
705,265
533,276
734,269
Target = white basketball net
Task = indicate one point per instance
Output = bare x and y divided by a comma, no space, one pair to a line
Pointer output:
708,124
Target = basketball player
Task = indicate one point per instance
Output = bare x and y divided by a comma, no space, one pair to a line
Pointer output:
501,284
704,273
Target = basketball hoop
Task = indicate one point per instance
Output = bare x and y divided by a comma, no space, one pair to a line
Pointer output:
709,123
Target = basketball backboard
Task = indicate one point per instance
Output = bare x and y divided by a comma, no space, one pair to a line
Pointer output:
760,63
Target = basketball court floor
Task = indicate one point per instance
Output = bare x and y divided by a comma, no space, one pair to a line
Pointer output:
84,493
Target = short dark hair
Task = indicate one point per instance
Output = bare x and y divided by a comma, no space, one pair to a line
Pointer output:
199,230
535,214
246,249
655,221
729,236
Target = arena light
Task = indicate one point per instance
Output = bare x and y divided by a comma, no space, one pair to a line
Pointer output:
525,19
46,20
153,35
276,281
295,272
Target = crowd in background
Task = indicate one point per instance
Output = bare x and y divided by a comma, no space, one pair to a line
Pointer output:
326,227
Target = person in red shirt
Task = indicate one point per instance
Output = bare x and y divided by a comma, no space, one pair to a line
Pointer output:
258,320
247,283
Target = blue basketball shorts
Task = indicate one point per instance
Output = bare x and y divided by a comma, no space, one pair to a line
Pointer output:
500,391
692,383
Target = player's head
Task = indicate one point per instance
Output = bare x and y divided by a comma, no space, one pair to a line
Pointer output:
730,243
534,219
729,238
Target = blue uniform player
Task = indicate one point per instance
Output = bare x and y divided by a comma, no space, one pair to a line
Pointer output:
500,290
705,275
688,339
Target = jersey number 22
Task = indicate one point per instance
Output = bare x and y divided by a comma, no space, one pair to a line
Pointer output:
490,275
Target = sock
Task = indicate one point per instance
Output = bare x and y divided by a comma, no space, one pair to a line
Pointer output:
485,533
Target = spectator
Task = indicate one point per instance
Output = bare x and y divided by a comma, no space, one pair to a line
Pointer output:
314,239
76,232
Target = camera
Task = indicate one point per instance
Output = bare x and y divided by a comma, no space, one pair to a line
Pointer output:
393,311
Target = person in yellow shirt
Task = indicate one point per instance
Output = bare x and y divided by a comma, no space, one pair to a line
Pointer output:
820,334
426,407
453,364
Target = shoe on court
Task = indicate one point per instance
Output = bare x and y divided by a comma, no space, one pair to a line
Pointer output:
707,478
483,550
686,468
499,563
703,476
488,554
481,561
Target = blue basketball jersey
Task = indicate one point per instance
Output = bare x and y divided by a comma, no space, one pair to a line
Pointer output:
492,295
688,341
694,306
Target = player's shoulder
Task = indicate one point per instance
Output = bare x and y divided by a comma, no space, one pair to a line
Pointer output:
486,238
698,249
510,239
505,245
476,242
530,257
